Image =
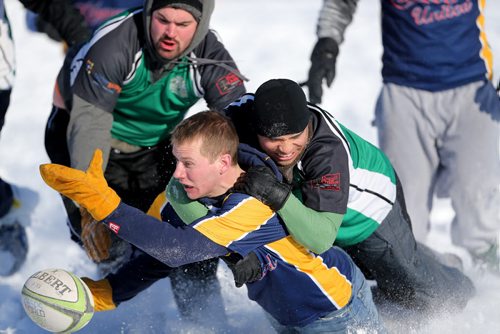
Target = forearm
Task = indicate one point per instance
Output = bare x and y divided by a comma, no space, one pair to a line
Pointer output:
89,128
172,243
313,229
334,17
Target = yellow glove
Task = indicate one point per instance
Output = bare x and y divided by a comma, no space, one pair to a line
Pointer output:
95,236
102,293
89,189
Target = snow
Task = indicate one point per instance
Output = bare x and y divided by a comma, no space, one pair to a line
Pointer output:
268,39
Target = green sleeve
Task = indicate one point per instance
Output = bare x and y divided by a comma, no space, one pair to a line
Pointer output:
187,209
314,230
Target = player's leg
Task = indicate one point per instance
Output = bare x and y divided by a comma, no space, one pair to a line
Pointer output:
471,160
409,141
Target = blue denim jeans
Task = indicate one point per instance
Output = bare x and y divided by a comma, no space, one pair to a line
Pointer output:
359,315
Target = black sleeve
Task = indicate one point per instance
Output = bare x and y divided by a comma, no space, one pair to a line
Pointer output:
136,276
221,81
65,18
326,172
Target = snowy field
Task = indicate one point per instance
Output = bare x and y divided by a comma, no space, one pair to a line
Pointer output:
268,39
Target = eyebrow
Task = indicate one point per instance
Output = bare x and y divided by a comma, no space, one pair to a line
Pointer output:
297,134
185,21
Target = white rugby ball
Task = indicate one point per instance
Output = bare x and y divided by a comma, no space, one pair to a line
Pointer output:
57,300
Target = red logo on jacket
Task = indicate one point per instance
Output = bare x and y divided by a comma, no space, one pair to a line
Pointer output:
327,182
227,83
114,227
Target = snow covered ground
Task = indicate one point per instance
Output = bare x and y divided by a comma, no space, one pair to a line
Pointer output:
268,39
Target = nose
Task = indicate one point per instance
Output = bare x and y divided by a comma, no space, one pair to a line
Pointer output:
284,147
170,30
179,171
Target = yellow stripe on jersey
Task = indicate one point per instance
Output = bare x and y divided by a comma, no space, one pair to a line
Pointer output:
485,53
334,285
158,205
249,215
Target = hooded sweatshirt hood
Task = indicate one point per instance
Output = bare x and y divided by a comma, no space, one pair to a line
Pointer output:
199,35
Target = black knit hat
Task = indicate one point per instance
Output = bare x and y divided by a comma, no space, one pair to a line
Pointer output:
280,109
195,7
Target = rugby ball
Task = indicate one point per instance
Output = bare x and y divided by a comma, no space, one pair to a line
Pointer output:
57,300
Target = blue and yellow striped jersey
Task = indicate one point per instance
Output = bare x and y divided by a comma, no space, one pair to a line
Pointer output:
297,287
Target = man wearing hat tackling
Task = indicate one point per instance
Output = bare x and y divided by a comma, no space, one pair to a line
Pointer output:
123,92
344,190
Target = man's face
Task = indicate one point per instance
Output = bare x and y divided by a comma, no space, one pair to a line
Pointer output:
195,172
172,31
285,150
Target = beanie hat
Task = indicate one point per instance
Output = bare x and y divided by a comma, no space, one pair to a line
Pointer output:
195,7
280,108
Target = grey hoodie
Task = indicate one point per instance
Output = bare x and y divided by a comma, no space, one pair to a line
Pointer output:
201,30
92,79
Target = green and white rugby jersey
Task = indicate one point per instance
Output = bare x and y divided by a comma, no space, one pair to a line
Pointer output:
340,172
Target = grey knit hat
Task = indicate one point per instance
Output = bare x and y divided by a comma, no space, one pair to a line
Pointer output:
195,7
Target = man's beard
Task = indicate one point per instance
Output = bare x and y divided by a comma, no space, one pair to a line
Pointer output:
287,170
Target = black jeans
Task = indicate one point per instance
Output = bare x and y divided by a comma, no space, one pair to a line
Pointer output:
406,271
6,197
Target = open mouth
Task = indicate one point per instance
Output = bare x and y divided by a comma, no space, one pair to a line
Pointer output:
168,45
285,157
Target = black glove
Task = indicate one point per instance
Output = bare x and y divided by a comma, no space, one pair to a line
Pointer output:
323,59
245,270
64,17
47,28
261,183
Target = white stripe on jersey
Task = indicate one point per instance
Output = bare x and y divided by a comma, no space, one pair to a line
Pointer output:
137,61
114,23
195,76
370,193
368,181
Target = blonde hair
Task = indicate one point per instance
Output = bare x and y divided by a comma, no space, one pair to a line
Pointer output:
216,131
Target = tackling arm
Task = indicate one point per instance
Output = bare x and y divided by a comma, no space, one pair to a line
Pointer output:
314,230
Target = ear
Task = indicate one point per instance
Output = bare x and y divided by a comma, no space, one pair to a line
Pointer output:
225,162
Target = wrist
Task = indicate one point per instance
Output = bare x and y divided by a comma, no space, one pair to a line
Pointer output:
325,48
284,191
